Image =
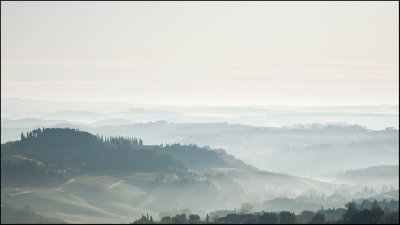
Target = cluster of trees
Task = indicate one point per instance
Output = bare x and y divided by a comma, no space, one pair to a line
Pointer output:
111,139
144,220
121,140
32,134
73,144
284,217
177,219
57,154
391,205
62,153
374,215
353,214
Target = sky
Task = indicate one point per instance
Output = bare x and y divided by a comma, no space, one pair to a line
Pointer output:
210,53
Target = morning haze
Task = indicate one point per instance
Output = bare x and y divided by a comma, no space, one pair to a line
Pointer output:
202,53
199,112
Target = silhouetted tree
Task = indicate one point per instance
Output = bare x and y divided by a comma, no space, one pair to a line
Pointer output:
318,219
246,208
179,219
269,218
286,217
377,212
166,220
194,219
306,216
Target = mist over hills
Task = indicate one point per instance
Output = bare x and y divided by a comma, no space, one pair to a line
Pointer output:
373,117
275,157
69,148
371,176
54,163
76,176
304,147
200,112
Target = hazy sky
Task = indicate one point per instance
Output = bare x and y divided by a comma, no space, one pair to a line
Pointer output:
216,53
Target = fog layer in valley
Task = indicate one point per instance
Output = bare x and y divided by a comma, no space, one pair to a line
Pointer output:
271,157
315,142
373,117
200,112
75,176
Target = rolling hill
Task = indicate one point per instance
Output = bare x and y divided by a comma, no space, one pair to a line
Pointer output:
77,176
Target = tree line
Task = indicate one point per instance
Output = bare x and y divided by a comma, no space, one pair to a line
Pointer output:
352,214
104,139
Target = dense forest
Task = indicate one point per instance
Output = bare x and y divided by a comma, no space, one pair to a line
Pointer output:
366,213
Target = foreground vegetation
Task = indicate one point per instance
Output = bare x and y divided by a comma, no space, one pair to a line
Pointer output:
353,214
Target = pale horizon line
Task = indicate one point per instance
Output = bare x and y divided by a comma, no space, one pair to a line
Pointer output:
192,105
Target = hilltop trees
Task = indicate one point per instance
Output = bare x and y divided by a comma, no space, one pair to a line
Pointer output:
61,153
140,142
75,133
22,136
245,208
144,220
